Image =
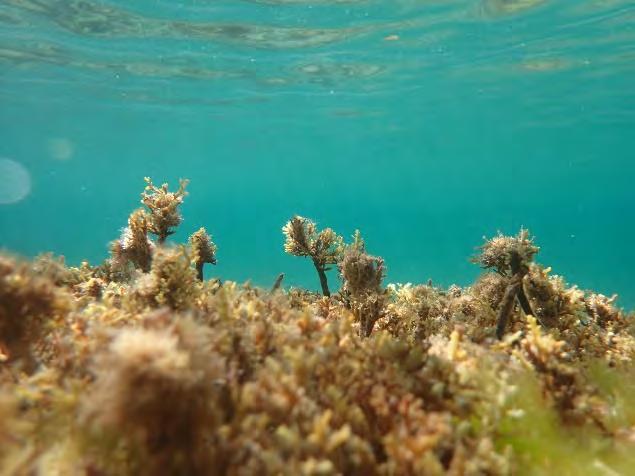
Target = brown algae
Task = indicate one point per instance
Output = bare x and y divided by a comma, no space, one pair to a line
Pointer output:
140,366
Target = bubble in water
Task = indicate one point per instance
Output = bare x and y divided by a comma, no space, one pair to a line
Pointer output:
61,148
15,182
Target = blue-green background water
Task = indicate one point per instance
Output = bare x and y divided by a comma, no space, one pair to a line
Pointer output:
426,124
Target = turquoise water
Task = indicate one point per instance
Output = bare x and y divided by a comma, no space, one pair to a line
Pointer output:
426,124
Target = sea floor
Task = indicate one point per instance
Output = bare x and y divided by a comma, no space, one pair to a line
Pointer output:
146,365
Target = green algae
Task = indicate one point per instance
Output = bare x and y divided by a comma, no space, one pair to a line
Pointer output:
138,366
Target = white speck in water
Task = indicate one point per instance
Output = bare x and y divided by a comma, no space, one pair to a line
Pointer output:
15,182
311,68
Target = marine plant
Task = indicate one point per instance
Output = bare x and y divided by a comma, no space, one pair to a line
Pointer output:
171,281
163,206
162,374
55,269
155,391
510,257
362,277
323,247
27,302
134,246
161,217
203,250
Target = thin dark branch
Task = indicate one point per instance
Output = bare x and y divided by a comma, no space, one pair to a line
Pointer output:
507,306
323,280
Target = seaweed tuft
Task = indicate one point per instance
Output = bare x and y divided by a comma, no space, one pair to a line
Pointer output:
155,393
509,256
28,302
203,250
171,281
163,206
362,277
134,246
324,247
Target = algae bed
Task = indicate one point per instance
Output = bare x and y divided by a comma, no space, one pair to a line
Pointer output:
145,365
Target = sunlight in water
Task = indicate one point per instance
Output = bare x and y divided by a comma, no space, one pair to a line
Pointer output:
15,182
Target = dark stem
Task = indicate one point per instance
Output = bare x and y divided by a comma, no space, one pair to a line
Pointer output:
322,274
199,270
145,263
163,235
370,313
277,283
363,323
519,271
366,325
507,306
524,302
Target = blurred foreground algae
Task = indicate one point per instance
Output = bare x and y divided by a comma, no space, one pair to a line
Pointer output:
141,366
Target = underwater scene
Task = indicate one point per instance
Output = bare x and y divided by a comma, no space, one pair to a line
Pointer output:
317,237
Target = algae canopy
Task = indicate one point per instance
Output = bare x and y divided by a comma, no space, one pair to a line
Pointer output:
329,237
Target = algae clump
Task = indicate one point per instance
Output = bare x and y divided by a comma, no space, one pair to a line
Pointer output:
139,366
